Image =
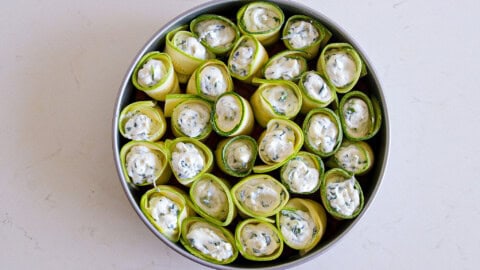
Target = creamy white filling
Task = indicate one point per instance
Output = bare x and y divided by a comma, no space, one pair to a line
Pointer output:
316,88
211,198
357,117
138,126
341,68
301,34
259,240
151,73
322,133
190,45
242,57
187,160
286,68
209,241
282,99
228,113
239,155
260,195
142,164
212,81
259,19
351,158
343,196
165,212
301,175
192,118
277,144
297,227
215,33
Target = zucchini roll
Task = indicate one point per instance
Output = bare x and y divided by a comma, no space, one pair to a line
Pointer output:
354,157
186,52
341,194
210,80
361,116
262,20
236,156
316,91
285,65
215,32
154,74
212,199
208,241
232,115
189,159
303,173
145,163
275,99
142,121
305,34
166,207
323,132
341,65
190,116
259,196
247,59
258,240
281,141
302,223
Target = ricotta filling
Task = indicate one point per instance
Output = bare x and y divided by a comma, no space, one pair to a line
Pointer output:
142,164
301,175
316,88
282,99
212,81
215,33
277,144
322,133
151,73
138,126
259,240
297,227
209,241
260,196
190,45
357,117
285,68
239,156
165,212
242,57
187,160
260,19
211,198
351,158
343,196
301,34
192,118
228,113
341,68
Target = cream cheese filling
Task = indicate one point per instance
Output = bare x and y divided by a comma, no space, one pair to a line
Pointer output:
322,133
239,155
138,126
187,160
282,99
301,175
190,46
165,212
260,195
316,88
259,240
297,227
151,73
212,81
242,58
211,198
209,241
343,196
277,144
260,19
192,118
215,33
341,68
285,68
228,112
142,164
301,34
357,117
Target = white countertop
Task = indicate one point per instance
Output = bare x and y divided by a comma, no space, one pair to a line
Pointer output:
61,203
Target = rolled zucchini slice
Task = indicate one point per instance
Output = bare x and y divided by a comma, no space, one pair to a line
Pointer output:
232,115
341,194
189,159
281,141
208,241
142,121
302,223
275,99
354,157
263,20
212,199
217,33
247,59
259,196
303,173
236,156
341,65
285,65
190,116
154,74
145,163
305,34
186,52
317,92
257,240
210,80
361,116
323,132
166,207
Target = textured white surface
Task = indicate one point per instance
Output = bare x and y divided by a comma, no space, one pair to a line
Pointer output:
61,204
